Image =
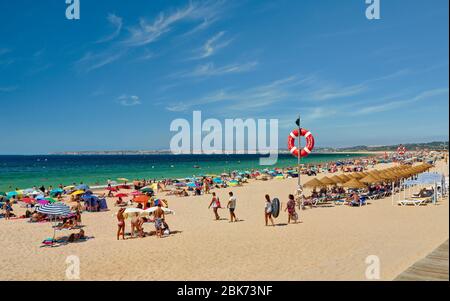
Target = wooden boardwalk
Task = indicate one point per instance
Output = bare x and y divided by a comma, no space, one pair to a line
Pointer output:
434,267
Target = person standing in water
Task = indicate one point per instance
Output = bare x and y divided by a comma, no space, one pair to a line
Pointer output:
215,204
232,207
268,210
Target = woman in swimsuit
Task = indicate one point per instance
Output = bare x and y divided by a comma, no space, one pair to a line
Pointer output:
215,205
121,223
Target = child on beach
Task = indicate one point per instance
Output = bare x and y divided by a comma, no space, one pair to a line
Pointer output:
292,214
215,203
232,207
268,210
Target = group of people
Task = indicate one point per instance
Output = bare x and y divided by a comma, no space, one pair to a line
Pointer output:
137,223
268,208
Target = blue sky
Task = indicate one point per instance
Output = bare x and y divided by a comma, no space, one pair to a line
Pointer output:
116,78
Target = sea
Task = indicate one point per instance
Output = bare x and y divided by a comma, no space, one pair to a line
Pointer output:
27,171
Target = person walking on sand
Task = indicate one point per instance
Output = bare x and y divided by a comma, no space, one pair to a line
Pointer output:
215,204
291,209
232,207
121,223
268,210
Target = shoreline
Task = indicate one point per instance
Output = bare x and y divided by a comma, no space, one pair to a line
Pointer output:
188,174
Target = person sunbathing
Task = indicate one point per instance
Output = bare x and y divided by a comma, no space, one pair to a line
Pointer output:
76,236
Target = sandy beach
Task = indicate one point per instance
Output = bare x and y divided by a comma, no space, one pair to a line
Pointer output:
331,243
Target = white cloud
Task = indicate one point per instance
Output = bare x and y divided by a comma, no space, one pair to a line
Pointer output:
251,98
212,45
117,23
210,69
148,32
129,100
382,107
331,92
91,61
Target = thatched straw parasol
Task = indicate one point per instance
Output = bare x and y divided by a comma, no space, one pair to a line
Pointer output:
369,179
338,179
353,175
345,177
354,183
314,183
326,180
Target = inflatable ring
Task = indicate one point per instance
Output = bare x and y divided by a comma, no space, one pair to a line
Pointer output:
276,207
401,150
309,142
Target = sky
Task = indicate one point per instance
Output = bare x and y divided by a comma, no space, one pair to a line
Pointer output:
116,78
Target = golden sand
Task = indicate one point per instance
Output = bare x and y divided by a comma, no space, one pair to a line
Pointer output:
331,243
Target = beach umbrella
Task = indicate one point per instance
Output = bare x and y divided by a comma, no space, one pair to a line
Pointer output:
143,199
191,184
153,209
314,183
354,183
70,187
55,192
146,190
121,195
35,192
360,175
51,200
43,202
54,210
28,200
130,212
326,180
111,188
338,179
217,180
12,194
369,179
233,183
82,187
344,177
78,192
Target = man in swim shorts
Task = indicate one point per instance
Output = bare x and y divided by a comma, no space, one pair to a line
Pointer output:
159,217
232,207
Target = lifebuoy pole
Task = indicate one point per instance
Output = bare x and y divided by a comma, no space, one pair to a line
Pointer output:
299,185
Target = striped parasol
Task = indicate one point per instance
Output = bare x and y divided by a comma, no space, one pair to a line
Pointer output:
54,209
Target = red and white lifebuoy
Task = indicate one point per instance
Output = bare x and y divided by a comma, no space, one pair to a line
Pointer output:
309,142
401,150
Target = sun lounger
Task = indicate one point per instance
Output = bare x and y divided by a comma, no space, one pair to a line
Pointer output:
415,202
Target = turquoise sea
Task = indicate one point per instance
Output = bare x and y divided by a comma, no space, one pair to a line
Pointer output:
27,171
